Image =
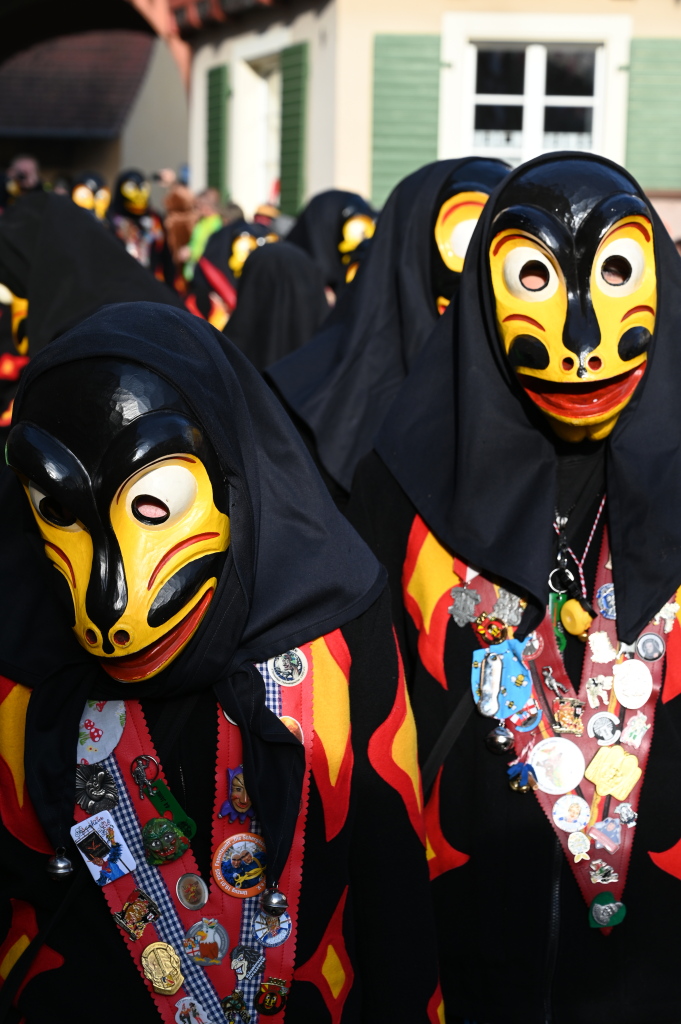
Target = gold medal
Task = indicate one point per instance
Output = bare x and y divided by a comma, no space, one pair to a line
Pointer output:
161,966
614,772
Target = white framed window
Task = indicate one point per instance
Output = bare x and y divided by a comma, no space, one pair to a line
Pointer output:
516,85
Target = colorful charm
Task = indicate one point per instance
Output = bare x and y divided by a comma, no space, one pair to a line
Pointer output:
635,730
602,873
271,930
238,803
190,1012
491,631
607,834
103,848
272,997
160,796
528,718
628,816
521,777
161,966
500,682
534,645
239,865
605,599
163,841
567,716
192,891
246,962
579,845
614,772
137,912
206,942
234,1006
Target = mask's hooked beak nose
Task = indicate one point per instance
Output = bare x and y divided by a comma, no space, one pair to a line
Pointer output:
107,594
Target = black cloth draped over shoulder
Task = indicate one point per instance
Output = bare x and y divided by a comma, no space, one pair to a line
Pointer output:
318,230
218,251
295,570
67,265
479,462
342,384
281,304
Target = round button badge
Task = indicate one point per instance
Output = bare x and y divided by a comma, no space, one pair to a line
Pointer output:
571,813
604,727
271,931
558,764
650,646
239,865
632,683
192,891
289,668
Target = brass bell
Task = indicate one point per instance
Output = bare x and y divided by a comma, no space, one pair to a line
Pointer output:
575,619
59,866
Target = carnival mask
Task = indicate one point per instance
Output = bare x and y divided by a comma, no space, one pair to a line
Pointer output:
572,263
131,505
356,227
459,205
90,193
242,247
135,191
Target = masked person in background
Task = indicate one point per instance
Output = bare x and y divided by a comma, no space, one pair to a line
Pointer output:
341,385
138,226
191,603
329,229
90,192
218,271
281,304
524,495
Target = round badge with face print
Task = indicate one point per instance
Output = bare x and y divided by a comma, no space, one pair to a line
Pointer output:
289,668
239,865
650,646
571,813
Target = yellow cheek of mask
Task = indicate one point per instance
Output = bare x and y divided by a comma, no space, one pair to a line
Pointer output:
455,225
83,197
19,317
242,247
136,197
520,311
355,230
102,202
151,554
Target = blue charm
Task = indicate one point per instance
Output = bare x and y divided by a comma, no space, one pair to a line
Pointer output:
521,777
605,599
500,682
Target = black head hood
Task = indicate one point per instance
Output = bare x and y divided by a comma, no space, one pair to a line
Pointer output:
342,383
281,303
295,569
218,251
318,230
480,463
67,265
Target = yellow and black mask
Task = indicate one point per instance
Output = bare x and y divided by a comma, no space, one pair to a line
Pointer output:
358,223
131,505
457,210
572,264
132,194
91,193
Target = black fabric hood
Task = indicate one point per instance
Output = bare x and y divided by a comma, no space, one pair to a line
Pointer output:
318,230
341,385
68,265
281,303
479,462
295,568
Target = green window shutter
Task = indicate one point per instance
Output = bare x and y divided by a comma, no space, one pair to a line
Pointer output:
216,128
654,124
405,108
294,61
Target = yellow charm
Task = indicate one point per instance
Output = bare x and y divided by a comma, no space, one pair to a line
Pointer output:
161,965
575,619
614,772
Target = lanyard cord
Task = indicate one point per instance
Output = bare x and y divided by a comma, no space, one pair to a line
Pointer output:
559,527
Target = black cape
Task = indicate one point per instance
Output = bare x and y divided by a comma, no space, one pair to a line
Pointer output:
481,466
279,533
318,230
67,265
218,251
342,384
281,304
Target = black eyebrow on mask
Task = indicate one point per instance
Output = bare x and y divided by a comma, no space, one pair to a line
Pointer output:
47,462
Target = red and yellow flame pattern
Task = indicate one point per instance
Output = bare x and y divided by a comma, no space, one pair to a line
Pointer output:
441,855
436,1007
329,968
23,930
393,754
332,755
16,810
427,579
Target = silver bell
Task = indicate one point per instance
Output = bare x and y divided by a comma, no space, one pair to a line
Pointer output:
59,866
274,902
499,740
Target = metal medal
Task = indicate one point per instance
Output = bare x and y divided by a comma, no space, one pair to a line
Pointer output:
192,891
602,873
161,966
95,788
605,599
137,912
614,772
606,911
605,728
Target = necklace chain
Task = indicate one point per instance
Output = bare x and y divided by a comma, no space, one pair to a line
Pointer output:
559,526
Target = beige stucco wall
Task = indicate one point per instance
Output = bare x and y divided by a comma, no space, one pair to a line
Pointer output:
358,21
155,133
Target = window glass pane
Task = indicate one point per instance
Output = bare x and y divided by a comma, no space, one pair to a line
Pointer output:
498,127
569,71
500,71
568,128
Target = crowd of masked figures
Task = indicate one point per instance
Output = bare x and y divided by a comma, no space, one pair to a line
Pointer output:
341,650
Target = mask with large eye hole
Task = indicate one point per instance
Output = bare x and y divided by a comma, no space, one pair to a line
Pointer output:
457,210
131,503
358,224
576,296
